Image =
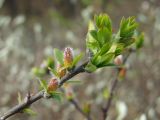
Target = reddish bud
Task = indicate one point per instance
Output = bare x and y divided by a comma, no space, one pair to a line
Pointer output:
53,85
68,56
122,72
118,60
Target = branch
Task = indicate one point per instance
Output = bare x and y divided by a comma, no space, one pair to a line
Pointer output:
113,86
20,107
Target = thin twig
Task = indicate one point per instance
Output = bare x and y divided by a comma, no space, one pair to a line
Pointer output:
113,86
76,105
20,107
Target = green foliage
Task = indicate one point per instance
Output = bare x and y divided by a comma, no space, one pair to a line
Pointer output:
39,72
103,21
90,67
104,44
29,111
140,41
127,29
56,96
49,62
77,59
54,72
58,55
43,84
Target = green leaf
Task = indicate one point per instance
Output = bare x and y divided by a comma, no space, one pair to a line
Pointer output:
90,67
53,71
127,41
119,49
29,111
140,41
50,62
39,72
77,59
94,34
127,30
43,84
105,59
103,50
104,36
91,42
59,55
91,26
56,95
93,46
103,20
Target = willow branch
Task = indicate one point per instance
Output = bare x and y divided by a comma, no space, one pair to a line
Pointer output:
20,107
113,87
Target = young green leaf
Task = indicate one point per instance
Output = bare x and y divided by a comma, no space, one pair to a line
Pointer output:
103,20
139,41
104,36
59,55
119,49
77,59
90,67
43,84
127,30
105,59
53,71
56,95
94,34
29,111
39,72
50,62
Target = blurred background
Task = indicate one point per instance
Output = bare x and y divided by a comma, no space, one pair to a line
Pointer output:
30,29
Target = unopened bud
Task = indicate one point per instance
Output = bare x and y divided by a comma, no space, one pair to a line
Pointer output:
61,71
52,85
68,91
122,73
68,56
118,60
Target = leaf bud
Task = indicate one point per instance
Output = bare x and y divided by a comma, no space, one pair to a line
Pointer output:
118,60
53,85
68,57
122,73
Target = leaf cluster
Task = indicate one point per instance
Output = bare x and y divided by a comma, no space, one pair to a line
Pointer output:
104,45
